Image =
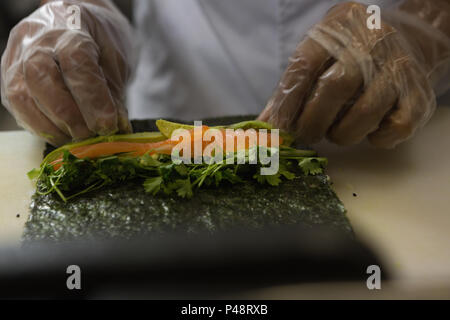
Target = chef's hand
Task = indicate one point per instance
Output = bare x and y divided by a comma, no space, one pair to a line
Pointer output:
64,83
347,82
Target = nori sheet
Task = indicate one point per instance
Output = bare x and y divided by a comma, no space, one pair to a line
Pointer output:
126,211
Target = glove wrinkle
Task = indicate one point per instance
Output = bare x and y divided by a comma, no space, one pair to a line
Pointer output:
382,83
68,84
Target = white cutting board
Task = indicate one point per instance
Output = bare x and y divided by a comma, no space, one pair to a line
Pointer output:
402,207
19,153
402,203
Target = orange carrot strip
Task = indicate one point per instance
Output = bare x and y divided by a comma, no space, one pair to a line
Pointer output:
104,149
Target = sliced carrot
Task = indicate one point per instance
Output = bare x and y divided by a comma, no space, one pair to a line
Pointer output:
104,149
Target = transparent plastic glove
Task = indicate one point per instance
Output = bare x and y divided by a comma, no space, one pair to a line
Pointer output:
347,82
63,83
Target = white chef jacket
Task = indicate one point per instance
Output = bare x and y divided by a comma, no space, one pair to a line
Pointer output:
204,58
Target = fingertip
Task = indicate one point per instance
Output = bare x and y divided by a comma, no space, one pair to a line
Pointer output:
55,141
380,142
125,125
339,140
105,126
393,131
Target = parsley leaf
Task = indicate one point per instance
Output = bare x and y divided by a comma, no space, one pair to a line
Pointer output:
160,174
184,188
153,185
312,166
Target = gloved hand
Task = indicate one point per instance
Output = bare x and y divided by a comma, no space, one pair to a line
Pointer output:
347,82
63,83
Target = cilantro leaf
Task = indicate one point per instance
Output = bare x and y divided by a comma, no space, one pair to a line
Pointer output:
273,180
181,169
153,185
312,166
148,161
184,188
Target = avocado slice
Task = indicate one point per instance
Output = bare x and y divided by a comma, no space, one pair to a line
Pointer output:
168,127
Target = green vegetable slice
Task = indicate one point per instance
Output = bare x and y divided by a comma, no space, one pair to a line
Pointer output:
168,127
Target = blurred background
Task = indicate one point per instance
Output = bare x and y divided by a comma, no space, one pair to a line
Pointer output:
11,12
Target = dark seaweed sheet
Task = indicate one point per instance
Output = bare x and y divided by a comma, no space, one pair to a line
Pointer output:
126,211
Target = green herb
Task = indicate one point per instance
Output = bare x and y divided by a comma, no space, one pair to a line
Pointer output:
161,175
312,166
79,176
